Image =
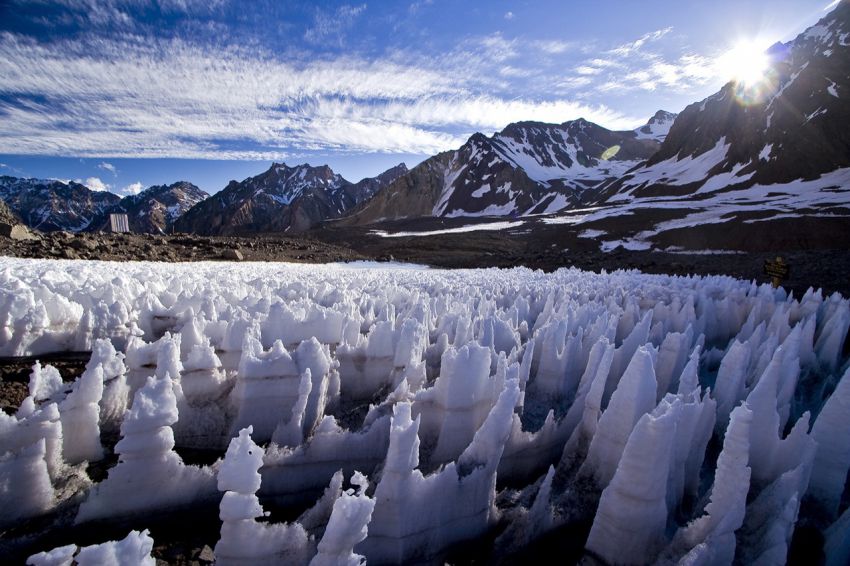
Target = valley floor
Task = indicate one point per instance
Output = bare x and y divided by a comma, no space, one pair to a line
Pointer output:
817,249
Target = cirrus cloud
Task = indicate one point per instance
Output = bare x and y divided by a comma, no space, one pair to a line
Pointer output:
132,98
132,189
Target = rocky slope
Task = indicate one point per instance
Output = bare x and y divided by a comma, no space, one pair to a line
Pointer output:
283,198
6,215
749,160
154,210
366,188
527,168
49,205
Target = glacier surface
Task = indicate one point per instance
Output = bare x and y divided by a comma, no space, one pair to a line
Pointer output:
403,414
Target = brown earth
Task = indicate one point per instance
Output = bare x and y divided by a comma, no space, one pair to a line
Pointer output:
15,374
817,249
180,247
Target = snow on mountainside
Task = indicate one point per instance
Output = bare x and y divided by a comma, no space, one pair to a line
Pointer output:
155,209
790,126
744,158
527,168
283,198
643,419
50,205
658,126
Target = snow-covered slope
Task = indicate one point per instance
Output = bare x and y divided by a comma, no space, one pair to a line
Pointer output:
658,126
789,126
527,168
746,162
684,419
49,205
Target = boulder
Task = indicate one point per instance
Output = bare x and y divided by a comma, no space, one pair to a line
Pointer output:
232,254
16,231
82,243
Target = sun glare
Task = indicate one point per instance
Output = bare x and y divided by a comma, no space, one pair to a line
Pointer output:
746,63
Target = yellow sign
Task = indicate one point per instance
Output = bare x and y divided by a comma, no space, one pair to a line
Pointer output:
777,269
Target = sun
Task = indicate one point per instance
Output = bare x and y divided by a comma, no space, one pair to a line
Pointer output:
746,63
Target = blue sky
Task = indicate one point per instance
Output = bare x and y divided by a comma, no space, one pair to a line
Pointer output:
123,94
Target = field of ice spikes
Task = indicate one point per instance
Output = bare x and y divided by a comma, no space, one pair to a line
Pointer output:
647,419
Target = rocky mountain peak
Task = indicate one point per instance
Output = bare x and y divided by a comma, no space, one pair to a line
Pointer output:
393,173
155,209
283,198
790,125
526,168
49,204
657,127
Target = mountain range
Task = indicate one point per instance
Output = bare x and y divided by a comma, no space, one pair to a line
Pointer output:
154,210
527,168
283,198
49,205
781,150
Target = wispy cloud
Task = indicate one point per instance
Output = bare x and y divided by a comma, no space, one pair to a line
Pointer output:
6,169
95,184
108,167
134,98
554,47
588,70
331,25
640,65
509,16
478,113
416,6
636,45
132,189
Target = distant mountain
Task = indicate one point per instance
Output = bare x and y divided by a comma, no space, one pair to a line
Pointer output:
283,198
366,188
155,209
527,168
50,205
658,126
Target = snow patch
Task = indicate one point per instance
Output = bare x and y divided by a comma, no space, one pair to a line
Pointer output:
459,230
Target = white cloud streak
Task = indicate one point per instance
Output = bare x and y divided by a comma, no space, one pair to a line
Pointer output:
639,66
554,47
108,167
95,184
132,189
330,26
632,47
136,98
